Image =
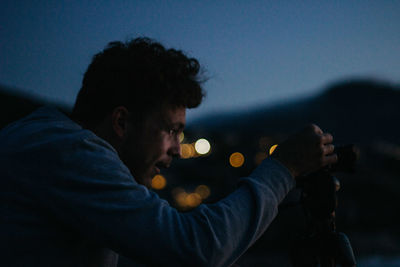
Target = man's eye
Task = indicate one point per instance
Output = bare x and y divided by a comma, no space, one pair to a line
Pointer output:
173,132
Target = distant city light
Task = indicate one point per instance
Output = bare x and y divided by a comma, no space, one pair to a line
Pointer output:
181,137
180,199
203,191
187,151
202,146
193,200
158,182
236,159
272,149
186,200
177,190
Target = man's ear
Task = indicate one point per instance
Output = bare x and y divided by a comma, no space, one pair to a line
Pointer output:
119,121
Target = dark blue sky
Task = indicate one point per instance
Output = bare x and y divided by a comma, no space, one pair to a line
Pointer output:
255,52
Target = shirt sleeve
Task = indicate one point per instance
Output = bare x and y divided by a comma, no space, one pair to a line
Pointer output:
84,185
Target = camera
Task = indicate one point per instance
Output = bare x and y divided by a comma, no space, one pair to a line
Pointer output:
319,188
321,244
347,158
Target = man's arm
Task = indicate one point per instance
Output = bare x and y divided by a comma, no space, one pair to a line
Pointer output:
95,194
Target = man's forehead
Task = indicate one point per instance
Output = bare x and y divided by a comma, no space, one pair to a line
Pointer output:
171,115
175,115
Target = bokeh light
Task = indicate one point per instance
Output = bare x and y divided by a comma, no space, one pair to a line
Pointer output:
180,199
187,151
203,190
236,159
202,146
193,200
186,200
272,149
158,182
181,137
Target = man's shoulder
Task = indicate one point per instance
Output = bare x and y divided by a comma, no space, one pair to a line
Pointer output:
43,117
47,127
49,140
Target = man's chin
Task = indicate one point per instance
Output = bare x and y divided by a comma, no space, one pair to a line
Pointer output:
144,180
156,170
147,178
147,182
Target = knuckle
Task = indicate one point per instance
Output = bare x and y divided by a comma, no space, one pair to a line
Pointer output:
313,127
316,128
329,137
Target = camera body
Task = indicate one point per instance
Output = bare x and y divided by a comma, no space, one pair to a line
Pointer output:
347,158
319,188
321,245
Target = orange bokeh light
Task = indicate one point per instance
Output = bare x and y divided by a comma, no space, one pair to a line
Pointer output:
158,182
236,159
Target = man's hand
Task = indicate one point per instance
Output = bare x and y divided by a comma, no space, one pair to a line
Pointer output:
306,151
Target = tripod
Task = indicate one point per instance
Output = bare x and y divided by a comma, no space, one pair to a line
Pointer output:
321,245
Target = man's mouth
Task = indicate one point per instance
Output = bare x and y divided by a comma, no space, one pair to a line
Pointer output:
157,170
161,165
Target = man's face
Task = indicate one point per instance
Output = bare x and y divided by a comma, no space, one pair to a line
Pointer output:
153,143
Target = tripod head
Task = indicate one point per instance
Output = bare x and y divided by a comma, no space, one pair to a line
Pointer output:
321,245
319,188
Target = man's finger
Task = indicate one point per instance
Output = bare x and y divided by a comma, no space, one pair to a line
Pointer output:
315,129
330,159
328,149
326,138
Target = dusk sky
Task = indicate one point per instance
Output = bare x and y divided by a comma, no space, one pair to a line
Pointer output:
254,52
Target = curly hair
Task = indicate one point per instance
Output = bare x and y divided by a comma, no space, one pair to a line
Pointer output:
141,75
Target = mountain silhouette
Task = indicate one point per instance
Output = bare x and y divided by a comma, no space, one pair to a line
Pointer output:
352,110
15,105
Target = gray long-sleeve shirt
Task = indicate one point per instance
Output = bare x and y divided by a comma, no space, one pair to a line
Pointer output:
66,199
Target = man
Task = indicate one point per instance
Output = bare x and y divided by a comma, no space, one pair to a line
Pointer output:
72,189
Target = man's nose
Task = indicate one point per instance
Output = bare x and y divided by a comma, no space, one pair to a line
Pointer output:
175,149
